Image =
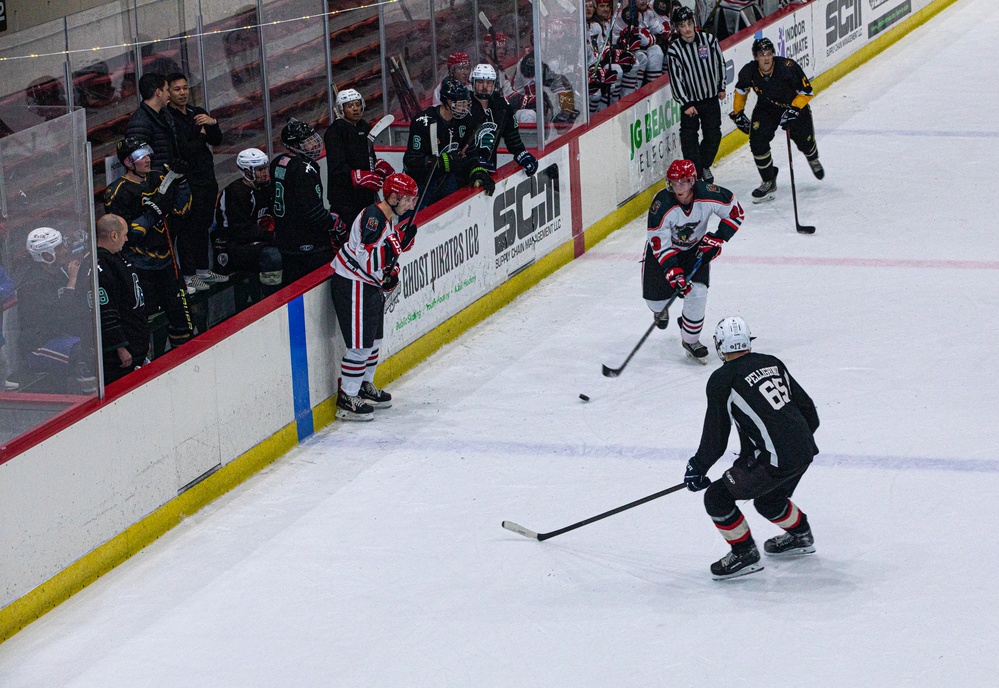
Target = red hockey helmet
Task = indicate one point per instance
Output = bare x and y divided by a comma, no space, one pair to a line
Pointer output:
400,184
458,58
681,169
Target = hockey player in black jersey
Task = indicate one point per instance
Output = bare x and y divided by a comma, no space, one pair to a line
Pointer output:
306,234
488,105
243,240
776,421
147,199
782,95
678,241
124,328
436,155
365,270
354,174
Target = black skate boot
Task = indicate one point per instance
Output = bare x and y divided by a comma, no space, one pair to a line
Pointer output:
735,564
352,408
789,544
767,191
661,318
817,168
376,398
706,176
697,352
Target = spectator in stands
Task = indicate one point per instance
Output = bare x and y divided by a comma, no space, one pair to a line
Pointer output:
144,198
154,124
55,335
307,235
354,174
7,293
243,239
436,155
459,66
196,131
562,110
124,328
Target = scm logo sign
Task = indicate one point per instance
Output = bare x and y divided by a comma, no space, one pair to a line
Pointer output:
3,15
518,212
843,17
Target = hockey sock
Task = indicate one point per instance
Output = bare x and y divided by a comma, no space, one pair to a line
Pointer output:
372,362
765,166
692,320
352,369
729,521
791,519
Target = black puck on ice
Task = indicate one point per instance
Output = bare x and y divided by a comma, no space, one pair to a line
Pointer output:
584,397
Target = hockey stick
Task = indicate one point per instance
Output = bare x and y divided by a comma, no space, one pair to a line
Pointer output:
521,530
614,372
802,229
394,295
380,126
492,32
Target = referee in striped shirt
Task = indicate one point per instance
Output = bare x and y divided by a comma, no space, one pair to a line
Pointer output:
697,76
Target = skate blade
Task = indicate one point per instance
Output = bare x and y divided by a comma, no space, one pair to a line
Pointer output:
378,404
795,552
703,360
752,568
350,415
763,199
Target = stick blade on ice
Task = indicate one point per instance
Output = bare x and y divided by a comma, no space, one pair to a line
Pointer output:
520,530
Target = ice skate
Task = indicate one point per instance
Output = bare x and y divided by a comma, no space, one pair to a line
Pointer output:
735,564
706,176
789,544
661,319
374,397
766,191
697,352
817,168
352,408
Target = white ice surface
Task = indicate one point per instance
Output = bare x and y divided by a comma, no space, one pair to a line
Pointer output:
373,554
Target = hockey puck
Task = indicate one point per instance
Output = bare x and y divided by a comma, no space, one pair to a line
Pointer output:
584,397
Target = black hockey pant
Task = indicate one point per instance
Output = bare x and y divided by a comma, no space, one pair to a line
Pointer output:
708,119
766,121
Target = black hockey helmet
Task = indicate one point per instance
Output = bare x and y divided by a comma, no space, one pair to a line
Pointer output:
457,97
681,14
129,145
301,138
763,45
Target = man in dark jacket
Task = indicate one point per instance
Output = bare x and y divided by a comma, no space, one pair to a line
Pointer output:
152,122
196,130
124,328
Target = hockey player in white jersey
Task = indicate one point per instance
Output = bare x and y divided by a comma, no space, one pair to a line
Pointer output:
680,248
638,30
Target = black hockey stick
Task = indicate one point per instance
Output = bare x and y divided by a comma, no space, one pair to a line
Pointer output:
521,530
802,229
614,372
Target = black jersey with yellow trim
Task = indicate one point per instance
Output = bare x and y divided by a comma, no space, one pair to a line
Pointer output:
786,85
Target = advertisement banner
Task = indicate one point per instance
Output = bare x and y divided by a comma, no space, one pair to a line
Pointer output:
654,139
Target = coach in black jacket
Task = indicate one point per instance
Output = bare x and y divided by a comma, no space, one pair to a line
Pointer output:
153,122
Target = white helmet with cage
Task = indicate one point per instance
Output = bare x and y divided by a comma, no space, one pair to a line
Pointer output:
732,336
486,74
348,95
253,162
42,244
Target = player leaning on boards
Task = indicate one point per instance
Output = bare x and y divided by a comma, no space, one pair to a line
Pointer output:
782,95
678,240
697,76
776,421
365,270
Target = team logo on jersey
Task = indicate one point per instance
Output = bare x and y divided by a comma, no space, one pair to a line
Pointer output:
655,207
222,259
702,52
372,223
684,234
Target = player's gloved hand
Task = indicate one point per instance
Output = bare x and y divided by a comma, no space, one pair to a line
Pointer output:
339,232
383,168
789,117
710,246
528,162
391,281
266,223
156,203
742,122
678,280
408,236
179,166
625,58
366,179
694,478
481,178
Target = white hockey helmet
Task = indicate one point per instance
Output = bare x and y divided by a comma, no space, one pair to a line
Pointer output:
348,95
253,162
485,73
42,244
732,336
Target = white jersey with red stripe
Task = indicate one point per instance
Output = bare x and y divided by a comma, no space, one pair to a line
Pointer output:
674,228
372,242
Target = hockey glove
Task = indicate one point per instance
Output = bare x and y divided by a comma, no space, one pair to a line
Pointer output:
565,117
266,223
154,203
179,166
480,178
383,168
528,162
694,478
678,280
408,236
365,179
710,246
339,232
742,122
391,281
789,117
